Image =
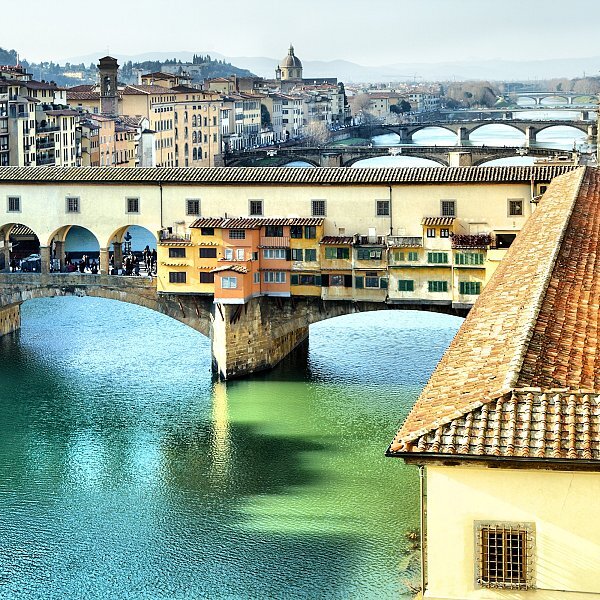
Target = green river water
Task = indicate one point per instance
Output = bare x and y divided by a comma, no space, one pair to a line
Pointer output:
125,472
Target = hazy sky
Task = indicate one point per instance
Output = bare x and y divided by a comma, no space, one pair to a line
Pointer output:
369,32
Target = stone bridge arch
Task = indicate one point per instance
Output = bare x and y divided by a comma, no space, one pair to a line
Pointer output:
442,160
583,127
194,311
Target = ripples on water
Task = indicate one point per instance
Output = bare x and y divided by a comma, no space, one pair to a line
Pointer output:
126,473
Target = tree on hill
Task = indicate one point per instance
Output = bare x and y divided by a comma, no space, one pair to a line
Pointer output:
8,57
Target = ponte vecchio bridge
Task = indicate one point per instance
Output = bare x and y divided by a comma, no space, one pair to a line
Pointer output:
255,335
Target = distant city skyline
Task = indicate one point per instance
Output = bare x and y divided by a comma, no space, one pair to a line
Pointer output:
377,32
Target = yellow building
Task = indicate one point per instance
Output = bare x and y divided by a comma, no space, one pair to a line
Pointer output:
506,432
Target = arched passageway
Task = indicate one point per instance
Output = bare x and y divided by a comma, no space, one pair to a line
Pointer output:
19,248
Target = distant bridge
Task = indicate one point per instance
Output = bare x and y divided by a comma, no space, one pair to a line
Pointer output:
537,97
345,156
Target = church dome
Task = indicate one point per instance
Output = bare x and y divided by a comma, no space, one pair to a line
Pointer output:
291,60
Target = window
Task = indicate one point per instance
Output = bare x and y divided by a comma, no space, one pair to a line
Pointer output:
437,286
448,208
437,258
318,208
207,231
515,207
192,206
368,254
72,204
406,285
278,253
256,277
176,252
372,282
383,208
339,280
256,208
333,253
431,232
444,233
274,277
504,554
208,253
176,277
237,234
469,258
297,254
239,254
310,255
133,205
470,288
207,277
228,254
413,256
305,279
14,204
296,232
229,283
310,232
274,231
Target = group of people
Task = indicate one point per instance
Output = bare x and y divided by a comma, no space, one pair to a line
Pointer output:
85,265
132,264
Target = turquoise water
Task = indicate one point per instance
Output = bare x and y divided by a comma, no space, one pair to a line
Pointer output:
125,472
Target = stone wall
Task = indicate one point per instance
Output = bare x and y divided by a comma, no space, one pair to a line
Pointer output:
10,319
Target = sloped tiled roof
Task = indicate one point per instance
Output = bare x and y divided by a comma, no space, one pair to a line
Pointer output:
253,222
234,268
437,221
329,240
284,175
534,327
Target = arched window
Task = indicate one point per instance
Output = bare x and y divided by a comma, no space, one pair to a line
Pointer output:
185,117
186,150
194,121
200,153
194,137
195,154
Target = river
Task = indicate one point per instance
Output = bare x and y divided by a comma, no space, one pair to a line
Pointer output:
125,472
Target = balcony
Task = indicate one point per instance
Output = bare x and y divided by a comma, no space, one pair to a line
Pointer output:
402,241
275,242
479,240
45,144
47,128
367,240
170,236
47,160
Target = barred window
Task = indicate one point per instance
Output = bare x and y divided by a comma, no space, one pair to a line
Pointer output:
318,208
505,554
383,208
237,234
14,204
256,208
72,204
448,208
133,205
192,206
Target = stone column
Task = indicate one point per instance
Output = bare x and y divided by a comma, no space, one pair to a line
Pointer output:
331,160
104,262
6,252
45,259
460,159
118,255
10,318
59,253
255,336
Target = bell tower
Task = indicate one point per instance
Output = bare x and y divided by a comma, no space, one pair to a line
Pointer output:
108,67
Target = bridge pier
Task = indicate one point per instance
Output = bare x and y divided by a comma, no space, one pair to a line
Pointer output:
331,160
462,135
10,318
460,159
530,136
6,255
45,260
59,254
254,336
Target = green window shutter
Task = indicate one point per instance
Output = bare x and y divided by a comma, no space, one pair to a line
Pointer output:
294,279
344,253
330,253
406,285
413,256
288,254
430,257
348,281
318,280
383,283
325,280
359,283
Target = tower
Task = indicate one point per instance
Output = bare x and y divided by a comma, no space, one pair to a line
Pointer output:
108,67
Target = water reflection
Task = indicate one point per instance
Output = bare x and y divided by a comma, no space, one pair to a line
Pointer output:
126,473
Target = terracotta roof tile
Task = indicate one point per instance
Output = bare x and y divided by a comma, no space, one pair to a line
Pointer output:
535,326
433,221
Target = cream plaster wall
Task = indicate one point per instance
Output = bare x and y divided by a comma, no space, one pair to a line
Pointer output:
563,505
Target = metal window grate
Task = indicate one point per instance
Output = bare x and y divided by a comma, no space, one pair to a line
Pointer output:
505,555
448,208
318,208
